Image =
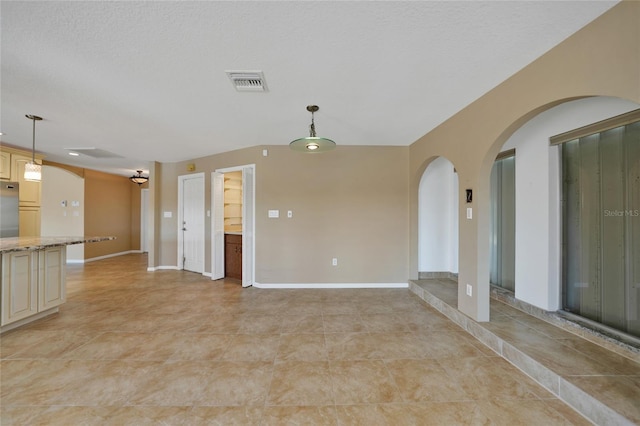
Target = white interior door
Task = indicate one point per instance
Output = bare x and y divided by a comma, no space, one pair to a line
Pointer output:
248,224
191,222
217,226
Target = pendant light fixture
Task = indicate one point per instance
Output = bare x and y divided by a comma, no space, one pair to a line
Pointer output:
139,179
312,143
32,170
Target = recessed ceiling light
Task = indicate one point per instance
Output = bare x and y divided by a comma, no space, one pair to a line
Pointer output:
75,154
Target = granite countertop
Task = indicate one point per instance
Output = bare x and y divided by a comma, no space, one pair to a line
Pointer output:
38,243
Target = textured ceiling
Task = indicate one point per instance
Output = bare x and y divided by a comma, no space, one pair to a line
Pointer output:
146,80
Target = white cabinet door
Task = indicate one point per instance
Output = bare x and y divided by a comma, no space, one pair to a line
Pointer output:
52,291
19,286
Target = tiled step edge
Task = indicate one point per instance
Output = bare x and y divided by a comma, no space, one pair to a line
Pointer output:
617,344
582,402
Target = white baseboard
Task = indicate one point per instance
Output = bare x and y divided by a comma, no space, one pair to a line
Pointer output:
331,285
107,256
160,268
207,274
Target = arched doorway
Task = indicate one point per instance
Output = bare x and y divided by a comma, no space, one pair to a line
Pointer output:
438,220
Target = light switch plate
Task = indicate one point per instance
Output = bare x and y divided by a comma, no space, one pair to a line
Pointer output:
274,214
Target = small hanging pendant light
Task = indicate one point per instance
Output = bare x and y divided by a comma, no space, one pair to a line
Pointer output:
33,170
138,178
312,143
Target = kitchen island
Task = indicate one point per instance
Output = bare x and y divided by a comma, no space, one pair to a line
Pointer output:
33,277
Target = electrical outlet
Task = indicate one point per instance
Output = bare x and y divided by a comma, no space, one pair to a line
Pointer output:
334,261
469,290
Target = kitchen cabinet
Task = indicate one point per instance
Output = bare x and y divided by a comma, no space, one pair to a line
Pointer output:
33,281
233,256
19,286
29,191
29,221
51,277
12,162
33,277
5,165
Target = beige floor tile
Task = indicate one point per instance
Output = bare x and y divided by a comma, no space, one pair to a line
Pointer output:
567,412
300,415
57,415
302,347
566,361
507,413
424,380
196,346
363,382
619,392
436,414
620,364
343,323
302,323
260,324
142,346
252,347
490,378
42,344
351,346
447,344
301,383
384,323
239,416
109,383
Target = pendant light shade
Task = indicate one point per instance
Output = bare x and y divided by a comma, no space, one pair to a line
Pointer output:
32,170
312,144
138,178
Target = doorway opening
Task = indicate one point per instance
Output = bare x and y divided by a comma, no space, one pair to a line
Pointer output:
233,223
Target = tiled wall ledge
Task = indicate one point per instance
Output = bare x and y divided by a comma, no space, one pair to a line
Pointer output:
437,274
587,405
614,342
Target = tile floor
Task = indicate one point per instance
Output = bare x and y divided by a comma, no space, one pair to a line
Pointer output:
580,371
171,347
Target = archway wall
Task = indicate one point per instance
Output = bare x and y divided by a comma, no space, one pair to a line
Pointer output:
538,239
438,218
602,59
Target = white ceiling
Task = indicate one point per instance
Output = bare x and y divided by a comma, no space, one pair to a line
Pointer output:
146,80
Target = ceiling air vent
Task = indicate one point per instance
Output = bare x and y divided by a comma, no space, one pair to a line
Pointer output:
248,81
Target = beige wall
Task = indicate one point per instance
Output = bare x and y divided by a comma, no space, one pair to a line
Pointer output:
111,207
350,203
108,212
58,186
601,59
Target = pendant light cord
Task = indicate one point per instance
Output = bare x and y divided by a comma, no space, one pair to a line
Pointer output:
33,149
312,128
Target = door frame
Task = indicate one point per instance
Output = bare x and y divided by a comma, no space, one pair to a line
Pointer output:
181,179
248,226
144,220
